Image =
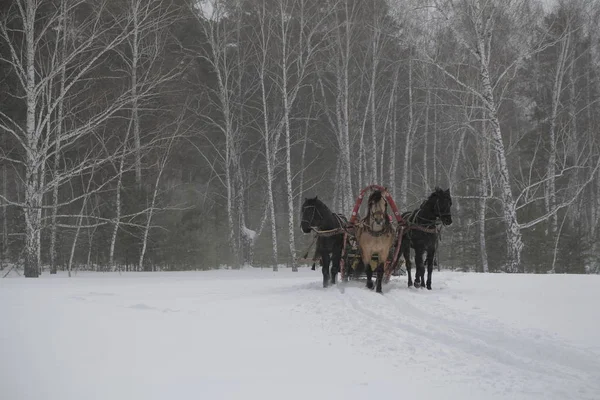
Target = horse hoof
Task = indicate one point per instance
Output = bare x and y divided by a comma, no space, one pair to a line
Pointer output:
428,287
410,284
370,285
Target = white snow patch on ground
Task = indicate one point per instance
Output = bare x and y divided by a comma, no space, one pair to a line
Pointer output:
258,334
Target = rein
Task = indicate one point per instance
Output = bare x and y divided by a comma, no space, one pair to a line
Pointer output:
412,224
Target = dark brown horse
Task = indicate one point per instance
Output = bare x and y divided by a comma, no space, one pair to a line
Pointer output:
422,233
375,236
316,217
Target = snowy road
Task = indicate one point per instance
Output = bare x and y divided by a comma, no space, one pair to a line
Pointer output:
256,334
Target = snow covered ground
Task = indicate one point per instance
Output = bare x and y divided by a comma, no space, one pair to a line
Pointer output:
257,334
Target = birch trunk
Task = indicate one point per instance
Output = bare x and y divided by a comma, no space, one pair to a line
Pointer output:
117,218
408,141
228,133
33,195
303,163
394,136
90,247
595,203
425,146
135,10
373,150
483,194
149,219
343,105
575,210
79,220
5,249
387,138
435,140
59,125
269,152
481,217
551,167
513,230
454,166
288,145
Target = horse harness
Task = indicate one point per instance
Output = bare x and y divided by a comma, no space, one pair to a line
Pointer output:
341,220
412,223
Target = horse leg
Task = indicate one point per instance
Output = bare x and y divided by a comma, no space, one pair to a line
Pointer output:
335,266
430,258
420,268
406,254
369,272
325,269
379,279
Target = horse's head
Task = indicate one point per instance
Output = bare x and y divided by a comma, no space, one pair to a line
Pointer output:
442,203
377,208
310,214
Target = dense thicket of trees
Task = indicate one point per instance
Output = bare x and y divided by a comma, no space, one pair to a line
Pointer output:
184,134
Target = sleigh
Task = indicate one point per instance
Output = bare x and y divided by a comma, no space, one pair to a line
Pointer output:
351,256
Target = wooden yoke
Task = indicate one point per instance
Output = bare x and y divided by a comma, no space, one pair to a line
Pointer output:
388,199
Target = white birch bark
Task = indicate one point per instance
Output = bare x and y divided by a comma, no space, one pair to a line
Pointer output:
557,88
150,213
373,178
33,195
264,38
59,125
5,249
117,217
426,185
286,116
513,230
390,125
434,153
408,140
343,55
303,161
483,168
573,143
394,135
135,9
79,220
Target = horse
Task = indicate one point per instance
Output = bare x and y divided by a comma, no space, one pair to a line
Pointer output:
315,215
421,233
375,235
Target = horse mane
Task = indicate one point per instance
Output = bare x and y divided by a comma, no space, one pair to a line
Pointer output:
375,197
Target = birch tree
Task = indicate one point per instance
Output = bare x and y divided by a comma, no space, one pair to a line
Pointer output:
480,19
346,14
292,29
221,56
26,32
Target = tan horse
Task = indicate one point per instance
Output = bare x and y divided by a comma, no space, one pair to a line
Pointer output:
375,236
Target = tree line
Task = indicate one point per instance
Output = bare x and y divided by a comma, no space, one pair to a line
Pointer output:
143,135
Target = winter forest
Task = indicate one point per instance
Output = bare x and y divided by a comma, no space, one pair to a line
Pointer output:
172,135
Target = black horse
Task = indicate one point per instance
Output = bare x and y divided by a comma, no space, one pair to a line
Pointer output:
422,233
315,215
